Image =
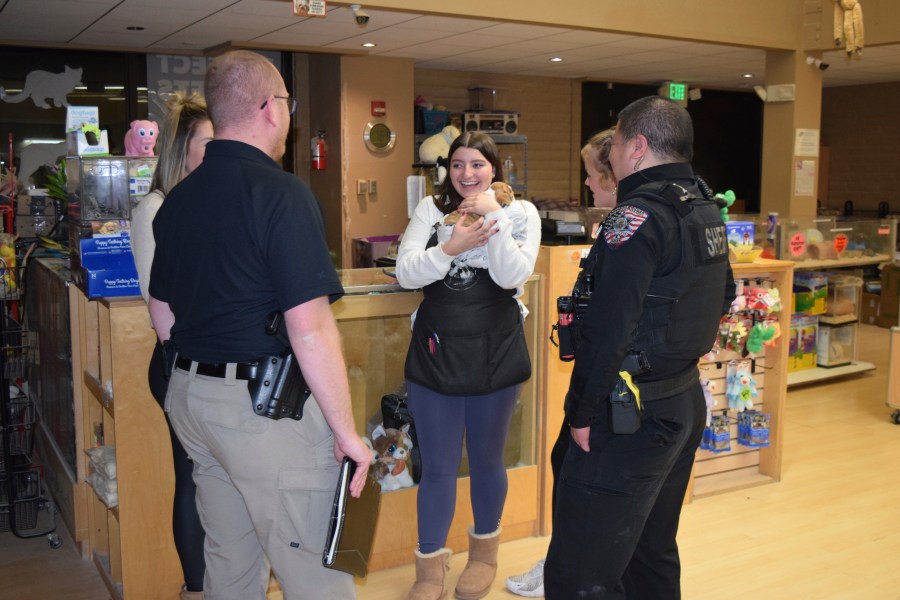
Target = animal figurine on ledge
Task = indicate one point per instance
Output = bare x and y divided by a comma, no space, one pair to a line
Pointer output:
140,139
390,453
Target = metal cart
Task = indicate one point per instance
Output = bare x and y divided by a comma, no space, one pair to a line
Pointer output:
893,392
22,501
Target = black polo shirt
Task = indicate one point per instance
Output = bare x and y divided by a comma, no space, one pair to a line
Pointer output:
236,239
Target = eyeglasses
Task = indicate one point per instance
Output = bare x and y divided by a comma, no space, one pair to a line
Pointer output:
292,103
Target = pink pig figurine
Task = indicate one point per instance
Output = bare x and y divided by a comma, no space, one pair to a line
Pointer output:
141,138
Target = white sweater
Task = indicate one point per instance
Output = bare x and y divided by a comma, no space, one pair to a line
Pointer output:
143,245
509,255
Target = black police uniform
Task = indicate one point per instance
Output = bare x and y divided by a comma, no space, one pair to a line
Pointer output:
661,283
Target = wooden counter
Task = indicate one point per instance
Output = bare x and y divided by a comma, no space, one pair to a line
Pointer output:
132,544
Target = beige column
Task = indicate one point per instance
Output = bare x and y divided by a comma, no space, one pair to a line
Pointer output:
781,191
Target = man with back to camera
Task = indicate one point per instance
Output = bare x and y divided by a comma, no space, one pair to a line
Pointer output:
661,282
236,240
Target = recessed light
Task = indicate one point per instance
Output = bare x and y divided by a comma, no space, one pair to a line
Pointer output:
368,45
134,28
747,75
112,88
556,59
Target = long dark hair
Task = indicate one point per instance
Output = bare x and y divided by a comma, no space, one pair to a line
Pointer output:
447,199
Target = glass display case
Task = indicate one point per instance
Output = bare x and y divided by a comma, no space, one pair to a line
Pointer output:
375,315
825,241
106,187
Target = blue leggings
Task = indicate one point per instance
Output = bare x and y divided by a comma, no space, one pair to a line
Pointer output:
441,422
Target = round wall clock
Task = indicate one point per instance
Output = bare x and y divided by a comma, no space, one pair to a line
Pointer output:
379,137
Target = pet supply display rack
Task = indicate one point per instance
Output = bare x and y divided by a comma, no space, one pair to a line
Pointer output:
21,494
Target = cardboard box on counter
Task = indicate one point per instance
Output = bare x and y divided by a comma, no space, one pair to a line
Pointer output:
111,282
107,267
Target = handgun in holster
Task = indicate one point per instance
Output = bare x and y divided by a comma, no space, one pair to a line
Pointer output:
279,389
625,399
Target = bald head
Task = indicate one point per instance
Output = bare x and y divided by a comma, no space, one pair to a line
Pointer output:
236,84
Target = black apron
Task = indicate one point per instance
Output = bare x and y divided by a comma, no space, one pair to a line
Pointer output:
468,338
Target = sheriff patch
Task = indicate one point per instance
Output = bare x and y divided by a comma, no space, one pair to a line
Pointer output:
621,224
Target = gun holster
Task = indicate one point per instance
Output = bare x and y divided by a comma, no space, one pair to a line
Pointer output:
169,353
279,389
624,406
624,413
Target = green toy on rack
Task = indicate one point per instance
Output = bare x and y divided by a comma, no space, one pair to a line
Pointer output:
725,200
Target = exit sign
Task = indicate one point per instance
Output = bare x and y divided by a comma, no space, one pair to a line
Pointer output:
677,92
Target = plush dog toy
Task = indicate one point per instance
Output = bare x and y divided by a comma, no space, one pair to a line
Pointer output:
438,146
503,193
140,139
741,390
390,451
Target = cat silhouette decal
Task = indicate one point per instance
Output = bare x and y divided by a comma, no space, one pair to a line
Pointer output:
43,85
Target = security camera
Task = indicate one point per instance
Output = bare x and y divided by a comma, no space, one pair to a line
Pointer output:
362,17
817,62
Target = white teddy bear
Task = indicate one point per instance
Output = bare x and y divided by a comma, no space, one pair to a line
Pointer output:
438,146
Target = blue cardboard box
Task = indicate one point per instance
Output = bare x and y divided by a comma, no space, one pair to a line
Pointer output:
108,267
100,283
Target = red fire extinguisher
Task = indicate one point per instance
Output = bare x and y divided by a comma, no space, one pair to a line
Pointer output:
319,151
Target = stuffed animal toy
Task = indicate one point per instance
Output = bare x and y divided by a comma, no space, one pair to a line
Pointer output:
741,390
502,191
390,451
760,334
739,304
763,301
732,334
708,390
140,138
848,26
438,146
725,201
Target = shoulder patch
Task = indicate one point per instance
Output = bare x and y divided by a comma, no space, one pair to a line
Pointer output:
622,223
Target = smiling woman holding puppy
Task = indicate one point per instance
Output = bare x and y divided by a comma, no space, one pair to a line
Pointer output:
467,356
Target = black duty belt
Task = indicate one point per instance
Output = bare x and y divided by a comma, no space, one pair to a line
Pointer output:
245,371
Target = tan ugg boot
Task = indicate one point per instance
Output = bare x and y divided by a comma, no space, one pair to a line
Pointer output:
430,571
186,595
481,568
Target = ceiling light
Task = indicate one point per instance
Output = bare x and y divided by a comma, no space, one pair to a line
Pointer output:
747,75
111,88
368,45
556,59
29,141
